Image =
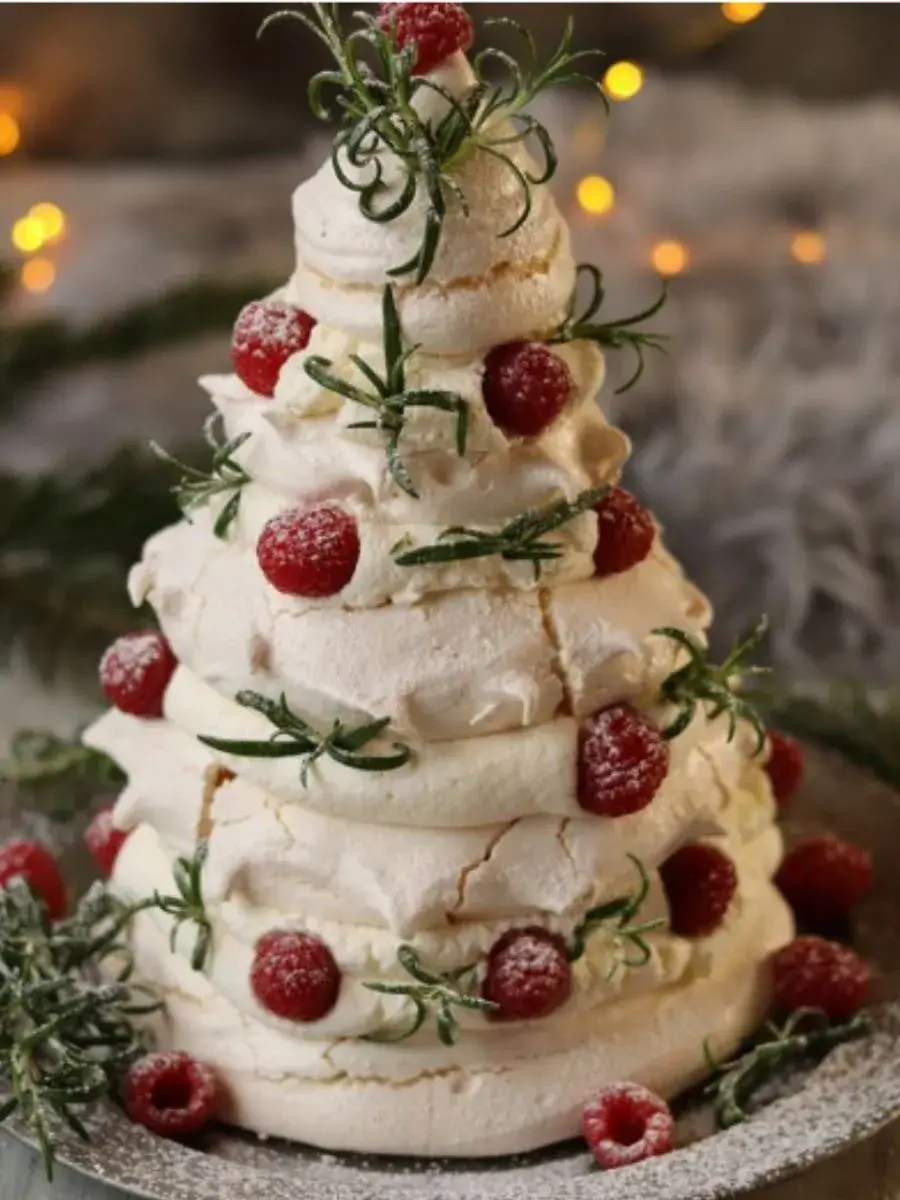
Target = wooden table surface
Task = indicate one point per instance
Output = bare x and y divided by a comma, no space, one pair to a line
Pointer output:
870,1171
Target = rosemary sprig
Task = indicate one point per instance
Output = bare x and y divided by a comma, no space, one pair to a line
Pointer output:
65,1039
617,335
519,540
374,104
54,775
701,682
188,905
293,738
622,912
428,990
225,476
388,395
777,1050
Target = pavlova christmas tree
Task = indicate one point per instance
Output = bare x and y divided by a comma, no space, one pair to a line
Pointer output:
463,823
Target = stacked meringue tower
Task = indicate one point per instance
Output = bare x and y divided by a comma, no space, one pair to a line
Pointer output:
512,775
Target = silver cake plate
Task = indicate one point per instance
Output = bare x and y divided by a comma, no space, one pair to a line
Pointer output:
852,1095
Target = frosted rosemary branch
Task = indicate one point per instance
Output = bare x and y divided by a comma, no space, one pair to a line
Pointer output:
621,913
225,476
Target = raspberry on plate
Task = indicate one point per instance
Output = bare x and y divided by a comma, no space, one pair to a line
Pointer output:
104,841
626,532
622,761
294,975
135,672
33,862
266,334
170,1094
810,972
309,552
528,974
437,30
784,766
823,878
525,387
699,881
626,1123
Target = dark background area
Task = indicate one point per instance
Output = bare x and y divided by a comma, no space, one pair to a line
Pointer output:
190,80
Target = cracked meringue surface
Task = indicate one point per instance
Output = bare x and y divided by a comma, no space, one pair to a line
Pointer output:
485,669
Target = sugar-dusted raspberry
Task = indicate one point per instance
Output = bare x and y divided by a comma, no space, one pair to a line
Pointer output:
171,1094
309,552
104,841
436,29
294,975
626,532
622,761
626,1123
135,672
699,881
823,878
34,863
784,767
525,387
528,974
266,334
810,972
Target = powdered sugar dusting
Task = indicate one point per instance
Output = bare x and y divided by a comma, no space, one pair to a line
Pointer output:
622,761
130,656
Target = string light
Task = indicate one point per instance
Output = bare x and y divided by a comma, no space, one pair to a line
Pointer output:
27,235
623,80
596,195
10,134
52,220
741,14
670,257
38,275
808,247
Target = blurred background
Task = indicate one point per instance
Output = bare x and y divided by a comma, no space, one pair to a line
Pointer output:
751,157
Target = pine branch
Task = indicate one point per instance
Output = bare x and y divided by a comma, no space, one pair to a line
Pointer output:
56,776
31,352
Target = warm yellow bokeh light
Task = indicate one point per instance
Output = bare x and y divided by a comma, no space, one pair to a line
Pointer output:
596,195
10,134
623,80
670,257
741,14
27,235
11,99
38,275
808,247
52,220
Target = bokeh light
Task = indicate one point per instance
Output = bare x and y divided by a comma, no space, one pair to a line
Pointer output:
27,235
12,100
38,275
808,247
10,134
595,195
741,14
670,257
623,80
52,220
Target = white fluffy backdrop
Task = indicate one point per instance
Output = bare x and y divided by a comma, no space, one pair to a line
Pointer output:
767,440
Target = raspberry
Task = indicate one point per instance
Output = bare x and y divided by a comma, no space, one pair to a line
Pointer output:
294,975
622,761
525,387
266,334
170,1094
699,882
823,878
135,672
626,533
810,972
785,766
528,974
34,863
626,1123
437,30
309,552
104,841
